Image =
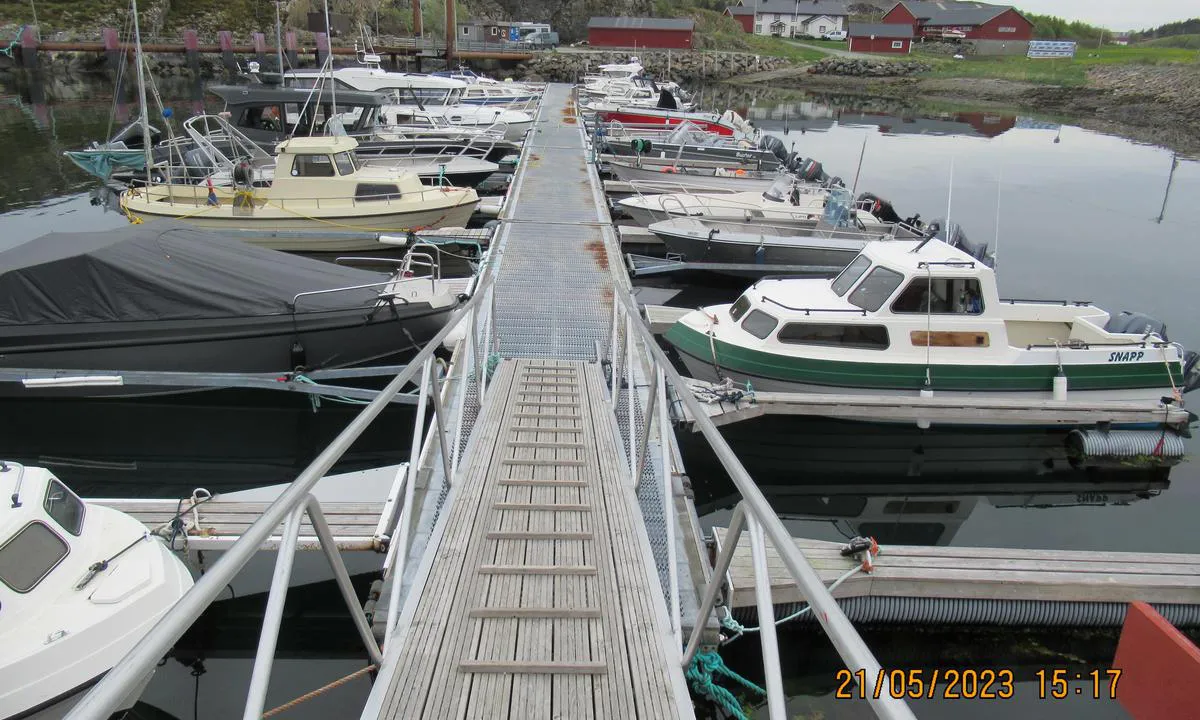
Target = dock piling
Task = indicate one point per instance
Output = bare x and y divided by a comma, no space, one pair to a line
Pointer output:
191,44
322,48
260,48
290,49
225,40
29,47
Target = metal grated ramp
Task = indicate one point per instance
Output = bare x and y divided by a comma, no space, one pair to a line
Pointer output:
554,290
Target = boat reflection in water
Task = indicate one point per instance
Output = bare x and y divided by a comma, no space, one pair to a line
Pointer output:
902,485
223,441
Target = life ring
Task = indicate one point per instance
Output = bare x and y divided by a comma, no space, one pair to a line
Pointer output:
740,172
668,169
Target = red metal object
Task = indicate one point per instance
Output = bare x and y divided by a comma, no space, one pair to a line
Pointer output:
743,15
650,116
1160,667
1020,28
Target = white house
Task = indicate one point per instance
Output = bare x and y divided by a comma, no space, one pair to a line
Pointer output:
790,18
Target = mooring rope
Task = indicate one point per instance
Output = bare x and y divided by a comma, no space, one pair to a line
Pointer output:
320,691
702,673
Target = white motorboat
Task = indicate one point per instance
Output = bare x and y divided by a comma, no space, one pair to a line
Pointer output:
915,317
439,96
788,202
80,585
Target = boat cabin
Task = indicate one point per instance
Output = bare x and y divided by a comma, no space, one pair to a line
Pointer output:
912,295
267,113
41,522
305,167
416,88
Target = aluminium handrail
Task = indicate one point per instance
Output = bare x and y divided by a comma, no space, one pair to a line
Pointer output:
850,646
106,696
810,311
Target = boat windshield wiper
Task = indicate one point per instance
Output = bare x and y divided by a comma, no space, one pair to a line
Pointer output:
100,566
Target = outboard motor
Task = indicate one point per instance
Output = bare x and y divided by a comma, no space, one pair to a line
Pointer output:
666,101
979,251
1191,371
809,170
880,208
775,146
1135,323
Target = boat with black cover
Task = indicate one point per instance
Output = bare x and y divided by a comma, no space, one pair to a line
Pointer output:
166,297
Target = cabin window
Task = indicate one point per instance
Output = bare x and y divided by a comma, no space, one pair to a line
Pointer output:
30,555
739,308
376,191
268,118
846,279
878,286
897,44
865,337
759,324
312,166
466,30
940,296
346,164
64,507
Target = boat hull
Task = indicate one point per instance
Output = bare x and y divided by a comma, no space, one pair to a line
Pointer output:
235,345
344,224
767,372
682,178
697,248
647,117
734,157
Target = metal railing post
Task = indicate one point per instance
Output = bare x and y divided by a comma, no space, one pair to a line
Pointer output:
264,656
668,487
342,576
405,525
435,394
644,446
766,622
630,395
736,525
466,360
612,354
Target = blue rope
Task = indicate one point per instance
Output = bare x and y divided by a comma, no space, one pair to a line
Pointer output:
8,50
702,673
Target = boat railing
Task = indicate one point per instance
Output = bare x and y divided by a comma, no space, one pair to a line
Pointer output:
811,310
5,466
1076,344
1064,303
297,501
328,291
639,363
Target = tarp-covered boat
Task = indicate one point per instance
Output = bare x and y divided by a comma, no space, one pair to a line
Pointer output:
164,297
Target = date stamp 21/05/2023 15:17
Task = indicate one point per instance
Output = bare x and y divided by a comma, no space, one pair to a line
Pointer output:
971,684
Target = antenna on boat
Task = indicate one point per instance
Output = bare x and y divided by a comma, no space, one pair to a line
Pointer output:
141,81
861,154
1167,193
949,200
996,242
332,83
279,42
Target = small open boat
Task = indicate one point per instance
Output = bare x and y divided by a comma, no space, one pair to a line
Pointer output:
80,586
912,316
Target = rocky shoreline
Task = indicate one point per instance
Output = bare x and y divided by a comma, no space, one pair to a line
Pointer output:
682,66
1147,103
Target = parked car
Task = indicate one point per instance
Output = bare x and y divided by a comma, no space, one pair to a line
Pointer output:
541,39
838,35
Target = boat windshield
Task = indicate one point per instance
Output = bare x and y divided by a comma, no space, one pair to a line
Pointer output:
347,163
837,208
30,555
780,189
64,507
688,133
873,291
846,279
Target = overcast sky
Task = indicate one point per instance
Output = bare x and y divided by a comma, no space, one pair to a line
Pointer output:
1116,14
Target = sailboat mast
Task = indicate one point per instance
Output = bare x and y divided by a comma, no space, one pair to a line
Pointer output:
141,83
332,83
279,41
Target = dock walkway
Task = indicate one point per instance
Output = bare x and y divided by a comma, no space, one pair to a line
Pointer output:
538,594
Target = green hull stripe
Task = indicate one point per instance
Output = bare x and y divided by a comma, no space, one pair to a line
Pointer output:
837,373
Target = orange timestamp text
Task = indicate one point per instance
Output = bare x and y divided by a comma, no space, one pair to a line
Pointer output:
950,684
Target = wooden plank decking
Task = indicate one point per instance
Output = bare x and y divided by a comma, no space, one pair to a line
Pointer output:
981,573
539,600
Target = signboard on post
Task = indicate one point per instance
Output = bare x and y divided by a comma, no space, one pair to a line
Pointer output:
513,34
1051,49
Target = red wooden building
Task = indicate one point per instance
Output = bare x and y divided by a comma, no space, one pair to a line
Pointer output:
626,32
880,38
961,20
743,14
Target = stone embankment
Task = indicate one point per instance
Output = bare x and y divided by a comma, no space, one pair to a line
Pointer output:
868,68
678,65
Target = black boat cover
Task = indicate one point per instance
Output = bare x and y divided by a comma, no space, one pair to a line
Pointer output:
165,271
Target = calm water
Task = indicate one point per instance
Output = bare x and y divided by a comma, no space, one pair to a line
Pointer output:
1077,215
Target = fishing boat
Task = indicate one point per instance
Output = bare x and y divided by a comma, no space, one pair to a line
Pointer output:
698,178
80,586
790,202
730,123
167,297
917,317
688,143
832,243
313,184
483,90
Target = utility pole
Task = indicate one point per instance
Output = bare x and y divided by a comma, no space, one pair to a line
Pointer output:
451,29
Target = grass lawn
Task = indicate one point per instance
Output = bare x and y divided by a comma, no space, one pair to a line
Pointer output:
759,45
1053,71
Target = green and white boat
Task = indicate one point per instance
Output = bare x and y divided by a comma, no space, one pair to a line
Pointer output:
912,316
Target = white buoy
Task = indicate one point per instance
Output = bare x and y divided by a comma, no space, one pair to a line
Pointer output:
1060,387
926,392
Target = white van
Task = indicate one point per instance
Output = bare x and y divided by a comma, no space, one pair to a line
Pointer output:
839,35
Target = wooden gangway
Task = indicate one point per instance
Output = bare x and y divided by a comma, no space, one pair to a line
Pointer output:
538,597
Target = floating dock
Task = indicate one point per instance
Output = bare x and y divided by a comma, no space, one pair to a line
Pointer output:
970,584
